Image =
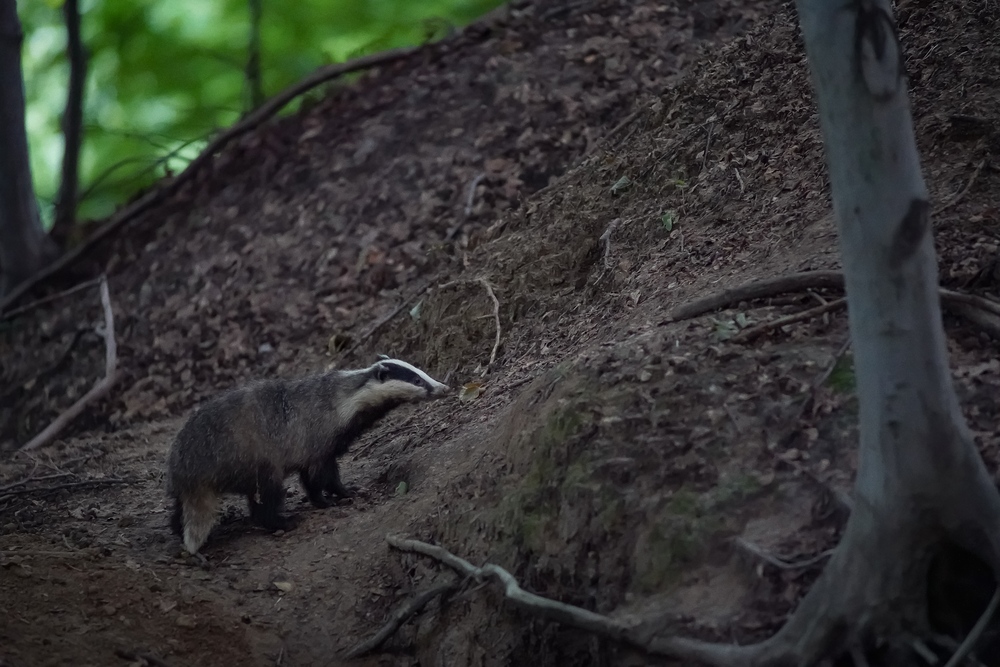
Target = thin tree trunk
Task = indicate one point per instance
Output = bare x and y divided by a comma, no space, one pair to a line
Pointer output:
24,246
72,127
254,84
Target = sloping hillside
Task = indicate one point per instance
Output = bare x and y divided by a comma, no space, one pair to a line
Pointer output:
592,166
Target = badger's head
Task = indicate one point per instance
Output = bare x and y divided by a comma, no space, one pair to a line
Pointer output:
397,381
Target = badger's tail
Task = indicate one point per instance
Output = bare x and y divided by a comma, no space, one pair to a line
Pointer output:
194,516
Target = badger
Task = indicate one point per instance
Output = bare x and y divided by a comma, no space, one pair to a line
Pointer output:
249,439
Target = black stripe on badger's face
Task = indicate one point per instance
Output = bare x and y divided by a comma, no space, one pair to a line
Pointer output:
389,370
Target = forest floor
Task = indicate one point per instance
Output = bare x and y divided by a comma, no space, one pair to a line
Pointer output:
598,164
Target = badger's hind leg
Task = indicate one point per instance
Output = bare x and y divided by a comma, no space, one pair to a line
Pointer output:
198,517
177,518
268,499
312,482
331,479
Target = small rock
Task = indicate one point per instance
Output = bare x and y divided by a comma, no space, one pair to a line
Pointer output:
185,621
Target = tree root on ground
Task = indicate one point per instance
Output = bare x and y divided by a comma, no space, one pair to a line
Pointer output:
983,312
873,593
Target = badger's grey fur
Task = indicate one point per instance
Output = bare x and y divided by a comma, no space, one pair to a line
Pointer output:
249,439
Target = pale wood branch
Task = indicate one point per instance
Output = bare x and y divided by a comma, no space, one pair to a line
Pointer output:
98,390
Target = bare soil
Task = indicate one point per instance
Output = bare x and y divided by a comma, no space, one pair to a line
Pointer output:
613,456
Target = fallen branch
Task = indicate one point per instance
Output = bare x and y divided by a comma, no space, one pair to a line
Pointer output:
954,302
629,631
141,656
753,332
401,615
250,122
99,390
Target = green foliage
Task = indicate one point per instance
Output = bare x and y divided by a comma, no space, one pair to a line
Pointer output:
162,76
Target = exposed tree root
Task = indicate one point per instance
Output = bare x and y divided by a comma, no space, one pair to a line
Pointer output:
969,306
781,564
970,641
401,615
629,630
98,390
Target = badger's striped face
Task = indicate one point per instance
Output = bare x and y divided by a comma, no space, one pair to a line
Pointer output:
404,380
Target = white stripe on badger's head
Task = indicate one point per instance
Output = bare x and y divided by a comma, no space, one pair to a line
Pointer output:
394,371
388,383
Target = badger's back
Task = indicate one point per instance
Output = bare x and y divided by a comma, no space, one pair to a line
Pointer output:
226,440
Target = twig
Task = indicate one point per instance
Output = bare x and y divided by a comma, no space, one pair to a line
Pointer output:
964,191
10,314
400,616
385,320
496,317
606,240
472,193
67,485
977,630
708,145
955,302
259,116
753,332
137,655
779,563
611,135
32,478
98,390
630,631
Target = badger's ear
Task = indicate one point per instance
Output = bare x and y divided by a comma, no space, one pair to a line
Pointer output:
381,372
383,357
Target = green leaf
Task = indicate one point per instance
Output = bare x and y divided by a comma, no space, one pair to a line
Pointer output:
620,185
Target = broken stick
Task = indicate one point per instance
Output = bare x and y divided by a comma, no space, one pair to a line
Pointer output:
102,387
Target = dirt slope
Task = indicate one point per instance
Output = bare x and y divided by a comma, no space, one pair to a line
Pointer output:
612,457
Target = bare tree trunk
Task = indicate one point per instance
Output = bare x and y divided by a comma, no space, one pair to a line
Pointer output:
72,127
920,480
24,247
